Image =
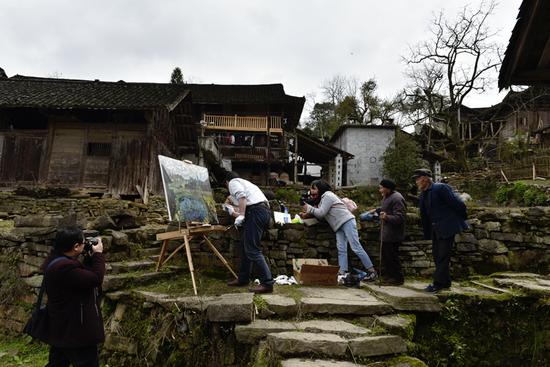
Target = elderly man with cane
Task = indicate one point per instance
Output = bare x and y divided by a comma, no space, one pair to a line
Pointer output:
392,213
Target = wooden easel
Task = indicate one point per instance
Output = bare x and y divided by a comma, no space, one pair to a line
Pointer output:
187,234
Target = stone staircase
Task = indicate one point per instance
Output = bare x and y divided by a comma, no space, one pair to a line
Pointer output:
336,326
314,326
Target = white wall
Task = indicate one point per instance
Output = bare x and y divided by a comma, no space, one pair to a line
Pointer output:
367,145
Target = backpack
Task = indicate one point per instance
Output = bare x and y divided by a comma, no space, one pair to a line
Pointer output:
350,204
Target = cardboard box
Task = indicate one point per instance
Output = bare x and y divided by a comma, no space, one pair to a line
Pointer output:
315,272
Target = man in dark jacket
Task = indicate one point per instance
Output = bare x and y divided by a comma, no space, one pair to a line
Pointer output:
76,325
443,215
392,212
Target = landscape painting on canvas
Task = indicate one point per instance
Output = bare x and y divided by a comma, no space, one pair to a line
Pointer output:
187,191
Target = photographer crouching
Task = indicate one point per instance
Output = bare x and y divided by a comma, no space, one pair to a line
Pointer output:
76,325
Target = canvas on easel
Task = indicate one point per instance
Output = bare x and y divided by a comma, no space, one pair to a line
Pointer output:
189,200
187,191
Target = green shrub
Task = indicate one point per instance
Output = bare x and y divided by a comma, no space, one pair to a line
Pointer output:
504,194
521,194
534,197
401,159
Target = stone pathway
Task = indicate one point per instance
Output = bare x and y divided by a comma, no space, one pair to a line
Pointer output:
332,326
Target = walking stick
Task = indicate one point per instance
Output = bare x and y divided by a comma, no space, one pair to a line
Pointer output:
380,257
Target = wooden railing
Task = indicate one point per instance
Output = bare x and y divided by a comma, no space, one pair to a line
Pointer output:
243,123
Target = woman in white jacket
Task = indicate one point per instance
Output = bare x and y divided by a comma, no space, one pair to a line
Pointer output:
342,221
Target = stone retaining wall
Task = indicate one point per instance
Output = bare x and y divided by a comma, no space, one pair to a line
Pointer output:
499,238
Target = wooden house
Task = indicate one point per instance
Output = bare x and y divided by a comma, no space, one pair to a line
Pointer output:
249,125
105,136
101,136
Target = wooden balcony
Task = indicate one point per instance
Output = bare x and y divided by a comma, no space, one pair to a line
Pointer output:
253,154
265,124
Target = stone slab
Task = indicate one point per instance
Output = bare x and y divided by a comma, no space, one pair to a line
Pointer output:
334,301
370,346
292,343
338,327
120,344
236,307
280,305
405,299
128,266
515,275
120,281
531,286
396,324
259,329
298,362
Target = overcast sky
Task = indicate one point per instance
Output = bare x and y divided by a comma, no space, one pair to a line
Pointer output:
299,43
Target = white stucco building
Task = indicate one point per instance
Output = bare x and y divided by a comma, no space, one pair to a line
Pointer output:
367,144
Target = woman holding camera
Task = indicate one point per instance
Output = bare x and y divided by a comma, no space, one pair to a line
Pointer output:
342,221
76,325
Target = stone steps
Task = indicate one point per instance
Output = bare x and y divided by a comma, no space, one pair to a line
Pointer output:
300,362
128,280
341,301
402,361
130,266
405,299
298,343
260,329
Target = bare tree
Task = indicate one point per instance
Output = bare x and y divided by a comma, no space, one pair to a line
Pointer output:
334,89
457,59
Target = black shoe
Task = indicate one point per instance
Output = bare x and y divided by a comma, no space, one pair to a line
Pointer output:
261,288
237,283
392,282
434,288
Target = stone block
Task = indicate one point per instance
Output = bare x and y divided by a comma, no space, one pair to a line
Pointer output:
492,226
466,237
119,343
119,238
492,246
299,343
511,237
280,305
370,346
293,235
101,223
259,329
37,220
231,308
310,253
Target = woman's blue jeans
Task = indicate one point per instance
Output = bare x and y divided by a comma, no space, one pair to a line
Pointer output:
347,233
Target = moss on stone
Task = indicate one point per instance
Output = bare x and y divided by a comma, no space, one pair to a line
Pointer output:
22,351
484,331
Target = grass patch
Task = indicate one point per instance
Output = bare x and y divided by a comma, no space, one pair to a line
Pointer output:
22,351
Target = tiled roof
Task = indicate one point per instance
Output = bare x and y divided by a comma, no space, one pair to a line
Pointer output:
20,91
28,91
237,94
202,93
526,60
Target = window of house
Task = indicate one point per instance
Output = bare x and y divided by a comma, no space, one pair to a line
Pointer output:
99,149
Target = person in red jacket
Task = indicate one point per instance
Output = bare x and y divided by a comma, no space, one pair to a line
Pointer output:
76,325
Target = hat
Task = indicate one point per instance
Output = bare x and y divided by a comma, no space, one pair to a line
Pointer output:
422,172
388,184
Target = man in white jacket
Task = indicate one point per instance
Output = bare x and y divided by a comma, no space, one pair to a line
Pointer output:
253,214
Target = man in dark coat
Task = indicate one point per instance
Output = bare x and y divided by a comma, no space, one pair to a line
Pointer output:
443,215
392,212
76,325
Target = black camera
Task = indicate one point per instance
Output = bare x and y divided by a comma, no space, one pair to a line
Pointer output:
305,198
90,239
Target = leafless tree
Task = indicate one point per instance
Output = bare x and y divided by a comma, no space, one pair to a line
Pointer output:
459,58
